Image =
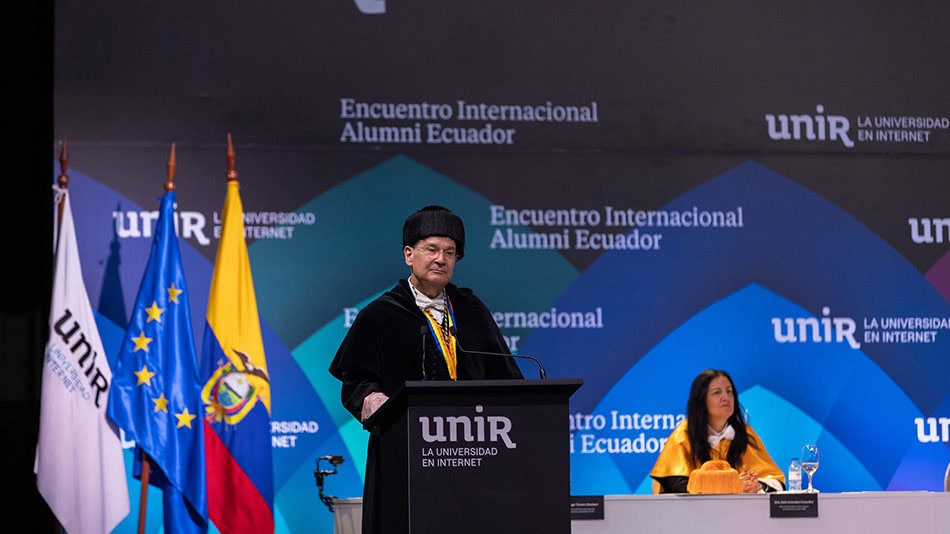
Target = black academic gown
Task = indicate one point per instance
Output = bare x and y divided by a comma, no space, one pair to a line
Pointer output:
384,348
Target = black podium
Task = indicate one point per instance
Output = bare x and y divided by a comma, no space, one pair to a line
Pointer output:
479,457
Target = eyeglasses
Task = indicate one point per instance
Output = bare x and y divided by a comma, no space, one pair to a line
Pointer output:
433,252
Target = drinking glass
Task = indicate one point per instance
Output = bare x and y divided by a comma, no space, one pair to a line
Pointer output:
809,461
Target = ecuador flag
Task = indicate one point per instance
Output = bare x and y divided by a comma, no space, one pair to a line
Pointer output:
236,392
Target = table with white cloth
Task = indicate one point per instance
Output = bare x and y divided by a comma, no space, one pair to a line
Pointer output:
884,512
872,512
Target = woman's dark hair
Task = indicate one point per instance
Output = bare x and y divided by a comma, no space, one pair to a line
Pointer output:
698,419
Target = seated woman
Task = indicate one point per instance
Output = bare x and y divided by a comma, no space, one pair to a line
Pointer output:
714,430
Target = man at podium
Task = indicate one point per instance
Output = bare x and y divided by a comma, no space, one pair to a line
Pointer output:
411,332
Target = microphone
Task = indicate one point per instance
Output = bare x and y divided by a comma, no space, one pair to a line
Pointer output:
334,459
423,331
541,373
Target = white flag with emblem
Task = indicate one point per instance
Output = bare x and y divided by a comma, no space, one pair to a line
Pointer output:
80,467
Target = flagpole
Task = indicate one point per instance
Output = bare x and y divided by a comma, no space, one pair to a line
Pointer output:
232,174
63,182
143,496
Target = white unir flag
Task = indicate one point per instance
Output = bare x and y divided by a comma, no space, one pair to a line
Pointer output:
80,467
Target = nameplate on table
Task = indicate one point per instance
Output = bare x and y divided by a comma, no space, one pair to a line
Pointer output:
587,507
793,505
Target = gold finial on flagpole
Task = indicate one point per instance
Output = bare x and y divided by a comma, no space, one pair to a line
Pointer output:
232,173
170,183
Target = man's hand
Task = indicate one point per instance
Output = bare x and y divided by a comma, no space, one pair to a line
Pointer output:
371,403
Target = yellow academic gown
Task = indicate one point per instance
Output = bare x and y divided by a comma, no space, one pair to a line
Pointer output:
676,458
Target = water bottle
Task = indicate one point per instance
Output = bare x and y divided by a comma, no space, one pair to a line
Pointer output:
795,475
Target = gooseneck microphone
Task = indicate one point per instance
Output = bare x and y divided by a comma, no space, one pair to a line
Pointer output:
541,373
424,332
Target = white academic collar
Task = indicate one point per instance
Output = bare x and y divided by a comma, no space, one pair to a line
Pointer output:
715,437
436,306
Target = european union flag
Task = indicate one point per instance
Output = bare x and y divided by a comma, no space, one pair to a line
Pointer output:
155,396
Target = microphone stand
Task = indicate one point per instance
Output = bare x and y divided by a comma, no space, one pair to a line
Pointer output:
541,373
320,474
424,331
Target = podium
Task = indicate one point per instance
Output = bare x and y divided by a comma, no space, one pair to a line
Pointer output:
477,456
